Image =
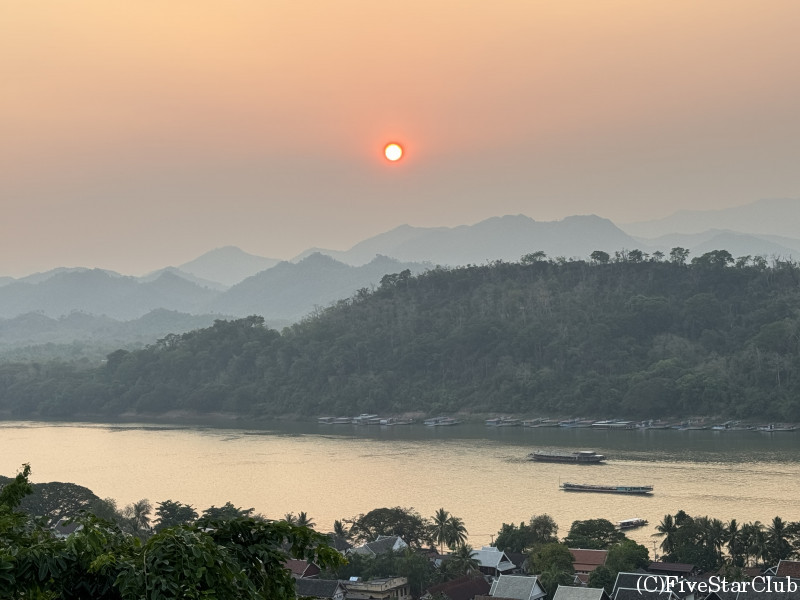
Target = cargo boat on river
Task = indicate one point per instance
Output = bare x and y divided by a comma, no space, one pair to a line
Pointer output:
642,490
582,457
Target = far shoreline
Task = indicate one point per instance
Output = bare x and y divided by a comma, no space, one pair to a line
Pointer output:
221,420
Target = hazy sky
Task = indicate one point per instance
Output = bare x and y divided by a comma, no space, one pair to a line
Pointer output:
137,134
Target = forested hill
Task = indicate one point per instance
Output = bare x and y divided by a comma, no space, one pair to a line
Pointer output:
626,337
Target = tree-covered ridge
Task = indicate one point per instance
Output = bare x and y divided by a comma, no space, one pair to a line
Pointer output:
628,335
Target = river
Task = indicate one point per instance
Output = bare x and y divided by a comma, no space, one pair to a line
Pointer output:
475,472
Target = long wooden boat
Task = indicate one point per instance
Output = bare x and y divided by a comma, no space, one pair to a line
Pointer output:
581,457
503,422
772,428
440,421
540,422
608,489
391,421
631,523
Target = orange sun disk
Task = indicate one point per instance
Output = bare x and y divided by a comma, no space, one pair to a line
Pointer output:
393,151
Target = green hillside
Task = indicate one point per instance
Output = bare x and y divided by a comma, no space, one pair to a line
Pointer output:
620,336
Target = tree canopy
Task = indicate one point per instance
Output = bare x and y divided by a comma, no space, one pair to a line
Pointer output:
539,530
629,335
233,558
593,534
406,523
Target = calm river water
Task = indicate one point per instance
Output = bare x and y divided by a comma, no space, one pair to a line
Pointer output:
477,473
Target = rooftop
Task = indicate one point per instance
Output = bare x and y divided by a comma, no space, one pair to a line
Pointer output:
579,593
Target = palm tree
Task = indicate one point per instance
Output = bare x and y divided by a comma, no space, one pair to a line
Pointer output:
290,518
716,534
756,541
137,516
339,530
303,520
440,528
456,532
712,534
462,561
778,546
667,529
734,537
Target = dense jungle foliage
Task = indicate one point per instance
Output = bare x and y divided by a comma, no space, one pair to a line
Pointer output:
627,336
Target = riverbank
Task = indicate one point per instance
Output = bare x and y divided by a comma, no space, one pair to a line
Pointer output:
238,421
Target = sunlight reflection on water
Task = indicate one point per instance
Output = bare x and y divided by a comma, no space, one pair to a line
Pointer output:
473,472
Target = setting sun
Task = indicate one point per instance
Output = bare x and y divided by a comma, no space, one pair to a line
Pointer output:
393,151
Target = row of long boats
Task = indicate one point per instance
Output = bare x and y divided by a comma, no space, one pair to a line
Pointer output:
364,419
648,424
444,421
582,457
367,419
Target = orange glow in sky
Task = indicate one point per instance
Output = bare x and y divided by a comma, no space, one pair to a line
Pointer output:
203,123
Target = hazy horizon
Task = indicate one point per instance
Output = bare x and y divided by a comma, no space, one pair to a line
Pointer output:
141,136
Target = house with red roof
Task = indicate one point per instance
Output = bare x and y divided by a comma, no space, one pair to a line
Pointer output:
585,561
302,569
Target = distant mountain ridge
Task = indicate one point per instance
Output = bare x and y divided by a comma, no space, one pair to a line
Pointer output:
205,283
99,293
231,282
34,335
738,244
227,265
282,294
497,238
771,217
294,290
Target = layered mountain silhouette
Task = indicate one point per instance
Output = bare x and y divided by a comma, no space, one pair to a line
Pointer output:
499,238
99,292
768,217
228,282
282,294
769,228
292,290
77,331
227,265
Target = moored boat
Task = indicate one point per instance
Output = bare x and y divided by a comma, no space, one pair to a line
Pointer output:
540,422
726,426
653,424
613,424
396,421
581,457
573,423
503,422
773,428
607,489
440,421
631,523
366,419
